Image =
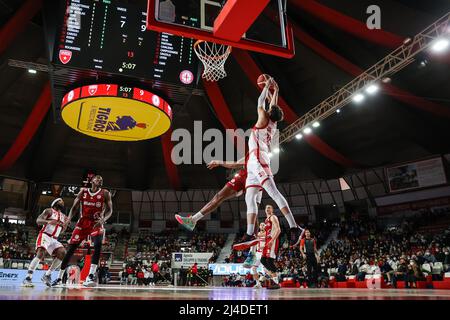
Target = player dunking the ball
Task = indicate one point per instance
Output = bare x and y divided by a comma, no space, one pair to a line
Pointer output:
95,209
52,221
259,174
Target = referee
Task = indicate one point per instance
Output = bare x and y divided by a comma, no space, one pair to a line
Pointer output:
311,255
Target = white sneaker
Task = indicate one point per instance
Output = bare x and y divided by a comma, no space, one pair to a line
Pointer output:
257,285
27,283
91,281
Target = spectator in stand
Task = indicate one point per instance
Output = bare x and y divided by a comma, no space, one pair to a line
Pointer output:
429,257
386,271
123,276
446,260
140,277
323,277
155,270
362,271
194,271
400,273
103,273
341,271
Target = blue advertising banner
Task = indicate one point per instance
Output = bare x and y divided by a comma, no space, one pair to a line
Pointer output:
225,269
16,276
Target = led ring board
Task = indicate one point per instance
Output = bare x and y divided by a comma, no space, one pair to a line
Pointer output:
115,112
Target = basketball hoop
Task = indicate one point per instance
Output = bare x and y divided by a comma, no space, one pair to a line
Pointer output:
213,56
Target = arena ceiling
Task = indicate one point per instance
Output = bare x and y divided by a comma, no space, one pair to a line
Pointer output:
385,129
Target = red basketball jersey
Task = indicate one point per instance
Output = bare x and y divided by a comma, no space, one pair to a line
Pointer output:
92,204
268,228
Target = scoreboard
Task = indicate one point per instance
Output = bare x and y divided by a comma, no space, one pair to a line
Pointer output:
110,36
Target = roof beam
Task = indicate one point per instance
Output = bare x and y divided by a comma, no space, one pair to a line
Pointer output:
30,127
391,64
18,23
348,24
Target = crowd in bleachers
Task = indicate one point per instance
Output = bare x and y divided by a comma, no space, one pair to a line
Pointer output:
364,248
14,242
151,264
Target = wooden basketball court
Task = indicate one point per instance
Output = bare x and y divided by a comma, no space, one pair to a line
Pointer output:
106,292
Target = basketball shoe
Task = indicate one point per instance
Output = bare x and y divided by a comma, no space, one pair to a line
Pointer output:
186,222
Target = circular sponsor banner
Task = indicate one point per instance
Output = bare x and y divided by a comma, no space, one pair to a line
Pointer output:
114,112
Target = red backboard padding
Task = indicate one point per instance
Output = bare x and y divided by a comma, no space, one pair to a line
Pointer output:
236,17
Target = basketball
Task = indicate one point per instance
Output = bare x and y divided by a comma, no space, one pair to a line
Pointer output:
262,79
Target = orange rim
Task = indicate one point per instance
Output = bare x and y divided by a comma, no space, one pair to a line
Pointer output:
220,57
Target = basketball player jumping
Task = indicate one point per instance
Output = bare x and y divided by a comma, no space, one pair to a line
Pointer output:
52,221
95,209
259,174
233,188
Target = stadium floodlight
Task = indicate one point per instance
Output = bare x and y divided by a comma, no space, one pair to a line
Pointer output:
373,88
359,97
440,45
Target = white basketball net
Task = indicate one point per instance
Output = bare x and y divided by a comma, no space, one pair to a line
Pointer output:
213,56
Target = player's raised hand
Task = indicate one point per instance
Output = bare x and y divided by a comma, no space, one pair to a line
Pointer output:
214,164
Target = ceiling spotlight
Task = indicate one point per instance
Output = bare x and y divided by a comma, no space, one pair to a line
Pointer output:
423,63
334,205
358,97
386,80
372,89
32,71
338,111
298,136
316,124
276,150
440,45
307,130
407,40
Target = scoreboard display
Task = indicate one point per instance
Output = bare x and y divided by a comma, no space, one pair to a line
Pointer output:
110,36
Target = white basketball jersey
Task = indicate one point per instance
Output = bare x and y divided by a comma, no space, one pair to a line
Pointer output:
53,230
261,244
261,138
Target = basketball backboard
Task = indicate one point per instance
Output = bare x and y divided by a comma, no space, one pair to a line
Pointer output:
255,25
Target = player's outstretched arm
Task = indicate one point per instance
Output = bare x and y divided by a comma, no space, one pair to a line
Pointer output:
262,108
226,164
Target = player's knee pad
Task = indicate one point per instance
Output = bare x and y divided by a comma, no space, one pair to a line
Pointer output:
272,190
251,196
